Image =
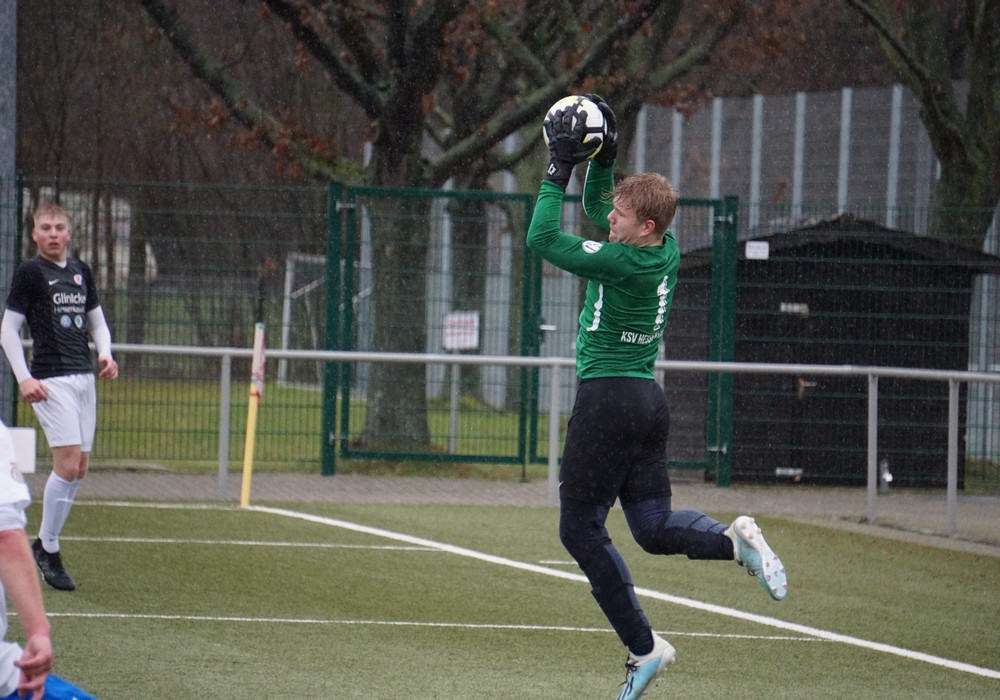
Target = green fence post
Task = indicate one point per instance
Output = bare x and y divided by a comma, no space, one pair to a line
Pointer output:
727,338
723,331
531,304
332,336
15,246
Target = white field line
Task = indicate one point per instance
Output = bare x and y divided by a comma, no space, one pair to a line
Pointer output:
646,592
406,623
245,543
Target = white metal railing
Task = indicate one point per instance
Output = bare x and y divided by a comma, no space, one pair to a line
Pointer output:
557,364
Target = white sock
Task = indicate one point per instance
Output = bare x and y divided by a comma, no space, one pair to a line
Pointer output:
56,504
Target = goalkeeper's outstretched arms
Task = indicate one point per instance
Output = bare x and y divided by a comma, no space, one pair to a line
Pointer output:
600,181
564,133
597,194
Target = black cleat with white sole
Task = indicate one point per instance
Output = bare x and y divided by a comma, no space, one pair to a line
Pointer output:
51,567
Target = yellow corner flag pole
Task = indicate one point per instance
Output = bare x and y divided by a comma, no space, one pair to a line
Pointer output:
256,396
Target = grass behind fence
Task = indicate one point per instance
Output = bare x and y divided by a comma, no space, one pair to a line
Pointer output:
231,603
174,424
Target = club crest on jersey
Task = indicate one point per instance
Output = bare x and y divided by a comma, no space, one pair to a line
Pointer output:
592,246
15,473
78,279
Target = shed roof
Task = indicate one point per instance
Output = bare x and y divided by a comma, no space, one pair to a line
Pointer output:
847,227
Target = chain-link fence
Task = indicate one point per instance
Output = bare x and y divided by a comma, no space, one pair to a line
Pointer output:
197,265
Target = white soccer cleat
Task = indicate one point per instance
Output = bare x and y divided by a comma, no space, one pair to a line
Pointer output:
751,552
641,670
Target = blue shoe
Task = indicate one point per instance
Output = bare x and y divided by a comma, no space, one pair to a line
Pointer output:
641,670
751,552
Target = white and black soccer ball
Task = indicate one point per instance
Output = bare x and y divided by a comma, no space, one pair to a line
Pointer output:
594,131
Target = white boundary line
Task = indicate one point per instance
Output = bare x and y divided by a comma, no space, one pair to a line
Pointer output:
546,571
407,623
244,543
649,593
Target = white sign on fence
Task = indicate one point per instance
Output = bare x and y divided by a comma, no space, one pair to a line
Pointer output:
24,448
461,331
757,250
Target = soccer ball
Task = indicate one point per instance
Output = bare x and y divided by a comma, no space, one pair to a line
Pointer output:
595,118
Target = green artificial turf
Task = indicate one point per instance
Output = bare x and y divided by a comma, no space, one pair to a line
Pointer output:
221,602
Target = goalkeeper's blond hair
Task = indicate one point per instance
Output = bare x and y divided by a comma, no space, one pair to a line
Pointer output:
650,196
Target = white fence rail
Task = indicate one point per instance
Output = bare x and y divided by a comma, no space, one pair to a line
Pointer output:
557,364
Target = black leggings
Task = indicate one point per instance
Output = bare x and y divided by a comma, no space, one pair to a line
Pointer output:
658,531
616,449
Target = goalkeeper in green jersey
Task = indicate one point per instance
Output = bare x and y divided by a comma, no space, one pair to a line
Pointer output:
616,441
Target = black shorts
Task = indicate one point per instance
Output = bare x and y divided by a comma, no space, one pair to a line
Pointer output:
616,442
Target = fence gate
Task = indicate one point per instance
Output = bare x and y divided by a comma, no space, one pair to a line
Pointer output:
417,264
414,261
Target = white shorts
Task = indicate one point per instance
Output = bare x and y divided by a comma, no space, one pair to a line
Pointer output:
69,415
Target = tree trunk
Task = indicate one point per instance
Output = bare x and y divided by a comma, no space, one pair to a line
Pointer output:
138,284
469,270
962,210
397,402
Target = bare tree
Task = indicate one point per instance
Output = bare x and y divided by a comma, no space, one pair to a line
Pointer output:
684,53
930,44
465,75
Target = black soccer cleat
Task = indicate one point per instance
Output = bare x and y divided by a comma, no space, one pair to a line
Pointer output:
51,567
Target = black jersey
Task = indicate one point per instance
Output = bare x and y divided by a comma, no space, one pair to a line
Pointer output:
55,300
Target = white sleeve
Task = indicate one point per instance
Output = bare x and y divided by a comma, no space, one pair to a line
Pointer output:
10,339
99,331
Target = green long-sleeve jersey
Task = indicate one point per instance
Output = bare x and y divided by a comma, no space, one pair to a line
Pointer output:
629,288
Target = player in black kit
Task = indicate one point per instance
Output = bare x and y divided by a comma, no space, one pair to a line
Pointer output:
56,295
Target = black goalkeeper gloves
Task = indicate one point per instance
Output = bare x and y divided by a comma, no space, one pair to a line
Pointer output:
566,146
609,151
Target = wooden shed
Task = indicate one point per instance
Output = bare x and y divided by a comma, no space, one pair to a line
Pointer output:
839,291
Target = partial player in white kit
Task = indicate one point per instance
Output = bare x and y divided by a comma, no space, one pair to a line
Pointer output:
56,295
24,671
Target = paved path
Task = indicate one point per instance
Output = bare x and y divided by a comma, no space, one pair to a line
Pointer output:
903,514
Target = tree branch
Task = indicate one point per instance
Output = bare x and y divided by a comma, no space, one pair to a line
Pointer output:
549,88
929,79
696,53
423,41
359,88
250,114
877,16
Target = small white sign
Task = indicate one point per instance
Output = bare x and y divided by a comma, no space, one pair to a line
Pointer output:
24,448
461,330
790,307
758,250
